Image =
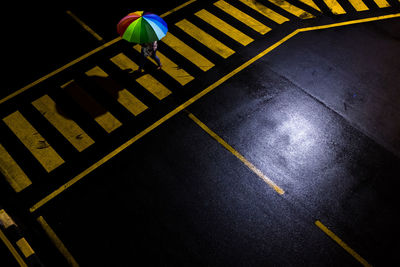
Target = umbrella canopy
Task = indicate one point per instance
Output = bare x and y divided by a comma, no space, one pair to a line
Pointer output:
142,27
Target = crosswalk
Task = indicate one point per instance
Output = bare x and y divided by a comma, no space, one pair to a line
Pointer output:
241,21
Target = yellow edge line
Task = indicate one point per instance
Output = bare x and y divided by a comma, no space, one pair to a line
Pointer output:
237,154
178,109
341,243
57,242
349,22
51,74
12,249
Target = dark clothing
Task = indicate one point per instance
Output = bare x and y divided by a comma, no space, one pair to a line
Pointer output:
149,50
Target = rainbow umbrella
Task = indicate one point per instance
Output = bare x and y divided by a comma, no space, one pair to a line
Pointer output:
142,27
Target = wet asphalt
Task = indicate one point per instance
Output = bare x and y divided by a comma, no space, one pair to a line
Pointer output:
319,116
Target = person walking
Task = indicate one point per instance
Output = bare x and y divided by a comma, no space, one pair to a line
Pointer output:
149,49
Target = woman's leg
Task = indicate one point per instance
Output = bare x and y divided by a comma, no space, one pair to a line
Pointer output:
156,58
142,60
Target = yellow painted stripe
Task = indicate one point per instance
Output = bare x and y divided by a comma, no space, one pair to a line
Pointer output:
358,5
67,127
5,219
182,107
11,248
192,55
238,155
269,13
14,175
177,8
345,23
205,38
171,68
79,59
33,141
242,17
103,117
124,62
25,247
382,3
224,27
311,4
335,7
85,26
57,242
294,10
154,86
122,95
342,244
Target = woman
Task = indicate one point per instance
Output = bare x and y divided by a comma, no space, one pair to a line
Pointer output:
149,49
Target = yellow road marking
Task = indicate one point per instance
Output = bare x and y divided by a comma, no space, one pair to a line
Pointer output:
288,7
147,81
342,244
242,17
177,8
33,141
154,86
85,26
192,55
124,62
345,23
103,117
269,13
14,175
205,38
311,4
238,155
358,5
5,220
12,249
183,106
122,95
25,247
382,3
51,74
171,68
67,127
57,242
335,7
224,27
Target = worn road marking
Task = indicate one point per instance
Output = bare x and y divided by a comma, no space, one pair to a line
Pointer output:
311,4
358,5
382,3
79,59
103,117
122,95
13,173
188,103
170,67
342,244
237,154
25,248
224,27
85,26
269,13
67,127
294,10
57,242
11,248
204,38
242,17
154,86
335,7
33,141
192,55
